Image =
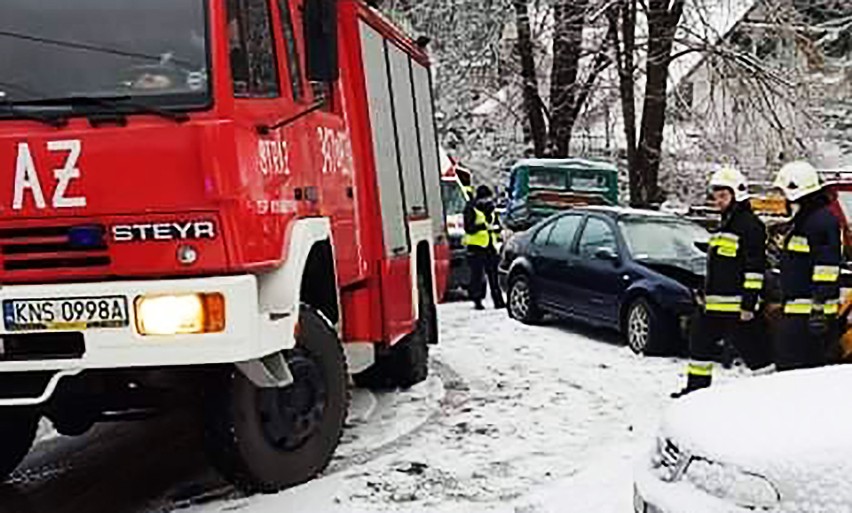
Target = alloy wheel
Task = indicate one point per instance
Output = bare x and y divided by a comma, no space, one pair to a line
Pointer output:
519,299
638,328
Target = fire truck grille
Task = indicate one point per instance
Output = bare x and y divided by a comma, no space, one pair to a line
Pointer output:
53,247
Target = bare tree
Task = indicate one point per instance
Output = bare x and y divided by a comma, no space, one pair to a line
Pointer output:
569,90
644,154
532,101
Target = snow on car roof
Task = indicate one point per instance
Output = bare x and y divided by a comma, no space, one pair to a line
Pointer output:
564,163
629,211
797,418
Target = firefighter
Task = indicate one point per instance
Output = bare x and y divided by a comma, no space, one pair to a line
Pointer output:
482,232
736,263
810,272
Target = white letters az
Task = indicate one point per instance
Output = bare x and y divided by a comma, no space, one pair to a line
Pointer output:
26,177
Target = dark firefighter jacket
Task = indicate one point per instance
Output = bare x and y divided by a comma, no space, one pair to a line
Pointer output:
736,262
810,262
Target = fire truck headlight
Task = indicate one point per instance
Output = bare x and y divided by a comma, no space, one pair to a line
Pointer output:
180,314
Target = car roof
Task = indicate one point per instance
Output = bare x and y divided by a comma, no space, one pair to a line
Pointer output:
566,163
618,212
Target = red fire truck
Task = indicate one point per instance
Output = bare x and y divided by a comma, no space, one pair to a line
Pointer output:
228,205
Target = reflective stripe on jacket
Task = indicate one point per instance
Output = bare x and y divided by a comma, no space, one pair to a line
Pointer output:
736,262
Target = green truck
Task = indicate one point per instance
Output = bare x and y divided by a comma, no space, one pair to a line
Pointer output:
541,187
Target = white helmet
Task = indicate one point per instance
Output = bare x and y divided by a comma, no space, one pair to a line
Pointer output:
798,179
731,178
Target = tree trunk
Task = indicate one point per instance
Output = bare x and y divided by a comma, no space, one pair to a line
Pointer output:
532,100
569,19
662,25
625,13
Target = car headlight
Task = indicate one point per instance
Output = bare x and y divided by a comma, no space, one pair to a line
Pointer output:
730,483
178,314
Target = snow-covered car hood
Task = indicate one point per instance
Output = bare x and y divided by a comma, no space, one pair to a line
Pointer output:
794,429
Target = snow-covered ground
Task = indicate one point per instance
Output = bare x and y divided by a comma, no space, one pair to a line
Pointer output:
522,420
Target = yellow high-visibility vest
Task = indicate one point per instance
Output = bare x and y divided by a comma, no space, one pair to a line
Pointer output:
482,238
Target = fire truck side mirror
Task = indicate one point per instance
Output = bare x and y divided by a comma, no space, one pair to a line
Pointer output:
320,31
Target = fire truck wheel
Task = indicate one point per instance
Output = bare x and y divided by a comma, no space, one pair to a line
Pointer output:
267,439
407,363
400,366
412,361
428,322
17,434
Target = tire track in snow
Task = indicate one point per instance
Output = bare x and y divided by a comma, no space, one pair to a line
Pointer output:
453,389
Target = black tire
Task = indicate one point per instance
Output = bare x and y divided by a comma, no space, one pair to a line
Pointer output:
521,301
401,366
644,328
268,439
17,434
428,321
406,363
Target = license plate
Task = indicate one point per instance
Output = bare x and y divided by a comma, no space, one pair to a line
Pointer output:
78,313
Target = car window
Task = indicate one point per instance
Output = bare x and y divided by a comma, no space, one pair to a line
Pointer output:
252,49
564,231
596,235
453,197
548,179
517,185
663,239
540,238
294,63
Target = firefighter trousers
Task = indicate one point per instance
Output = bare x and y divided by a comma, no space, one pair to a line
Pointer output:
797,347
483,263
750,339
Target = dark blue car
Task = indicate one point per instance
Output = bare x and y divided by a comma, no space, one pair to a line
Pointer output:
636,271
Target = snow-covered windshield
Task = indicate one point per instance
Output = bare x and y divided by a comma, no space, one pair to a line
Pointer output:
154,51
663,239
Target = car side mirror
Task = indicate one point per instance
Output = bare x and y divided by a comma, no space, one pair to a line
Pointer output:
320,32
606,253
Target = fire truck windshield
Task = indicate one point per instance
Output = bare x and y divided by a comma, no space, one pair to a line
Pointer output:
153,52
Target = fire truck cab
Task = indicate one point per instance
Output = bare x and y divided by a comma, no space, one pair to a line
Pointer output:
227,205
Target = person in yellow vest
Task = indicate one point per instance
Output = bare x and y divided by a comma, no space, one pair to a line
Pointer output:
481,237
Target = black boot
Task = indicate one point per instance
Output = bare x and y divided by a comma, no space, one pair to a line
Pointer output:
694,382
477,305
